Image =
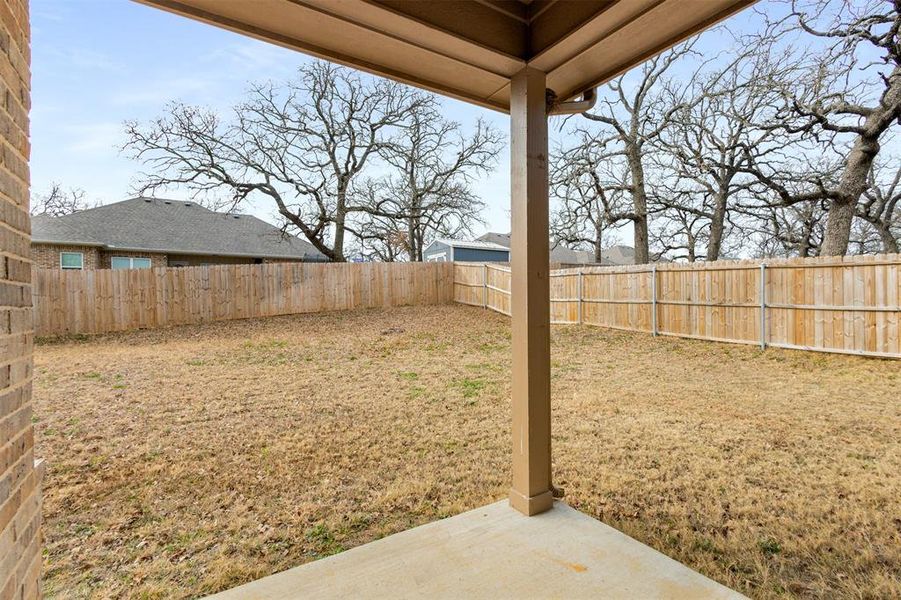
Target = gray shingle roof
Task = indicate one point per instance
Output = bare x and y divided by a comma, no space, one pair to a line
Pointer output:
558,254
476,245
172,227
614,255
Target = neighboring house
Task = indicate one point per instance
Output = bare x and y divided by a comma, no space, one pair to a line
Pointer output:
614,255
444,250
149,232
618,255
559,255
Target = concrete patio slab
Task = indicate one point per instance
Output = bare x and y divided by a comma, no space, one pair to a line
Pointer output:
493,552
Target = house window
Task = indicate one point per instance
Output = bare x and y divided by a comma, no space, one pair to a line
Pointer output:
71,260
128,262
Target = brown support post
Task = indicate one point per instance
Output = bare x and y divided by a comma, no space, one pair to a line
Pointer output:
530,303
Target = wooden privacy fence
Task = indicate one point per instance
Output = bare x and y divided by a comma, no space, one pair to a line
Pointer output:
848,305
67,302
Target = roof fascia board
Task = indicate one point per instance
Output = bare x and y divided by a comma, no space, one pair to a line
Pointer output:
35,240
471,55
573,89
182,9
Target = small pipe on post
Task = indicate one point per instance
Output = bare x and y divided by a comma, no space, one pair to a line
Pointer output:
573,107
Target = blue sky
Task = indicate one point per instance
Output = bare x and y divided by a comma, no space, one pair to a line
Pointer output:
97,63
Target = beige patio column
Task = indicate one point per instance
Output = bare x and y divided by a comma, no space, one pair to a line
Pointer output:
531,491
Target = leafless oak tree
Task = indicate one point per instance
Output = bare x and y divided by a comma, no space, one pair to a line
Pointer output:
301,144
427,191
838,95
701,159
58,201
632,117
591,200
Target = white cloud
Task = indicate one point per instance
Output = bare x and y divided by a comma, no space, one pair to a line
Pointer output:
162,89
94,138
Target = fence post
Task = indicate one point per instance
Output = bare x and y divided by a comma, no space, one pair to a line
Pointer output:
654,300
485,285
762,306
580,296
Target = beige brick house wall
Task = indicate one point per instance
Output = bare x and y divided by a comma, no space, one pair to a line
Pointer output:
46,256
20,478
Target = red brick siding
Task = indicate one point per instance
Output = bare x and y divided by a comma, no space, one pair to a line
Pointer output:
279,260
156,260
194,260
20,478
46,256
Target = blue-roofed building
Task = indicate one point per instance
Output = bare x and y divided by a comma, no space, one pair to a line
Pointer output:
445,250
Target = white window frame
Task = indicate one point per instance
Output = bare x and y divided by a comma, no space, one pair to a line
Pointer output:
131,261
65,268
438,257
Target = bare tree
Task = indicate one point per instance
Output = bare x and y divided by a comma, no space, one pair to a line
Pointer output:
382,239
428,190
837,96
633,117
681,234
702,155
881,209
794,230
301,145
58,201
591,200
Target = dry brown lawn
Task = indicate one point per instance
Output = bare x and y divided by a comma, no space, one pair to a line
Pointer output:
189,460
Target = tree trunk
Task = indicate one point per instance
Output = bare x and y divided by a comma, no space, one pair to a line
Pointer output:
640,207
889,243
717,225
340,220
411,239
838,228
860,160
852,186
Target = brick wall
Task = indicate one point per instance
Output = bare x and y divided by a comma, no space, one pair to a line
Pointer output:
46,256
268,261
195,260
20,478
156,260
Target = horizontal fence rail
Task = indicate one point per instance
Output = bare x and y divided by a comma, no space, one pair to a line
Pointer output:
75,302
849,305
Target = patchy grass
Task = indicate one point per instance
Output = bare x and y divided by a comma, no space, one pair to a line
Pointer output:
190,460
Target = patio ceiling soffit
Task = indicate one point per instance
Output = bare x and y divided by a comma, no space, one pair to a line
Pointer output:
470,49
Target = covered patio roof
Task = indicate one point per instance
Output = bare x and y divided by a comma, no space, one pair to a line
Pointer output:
471,49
